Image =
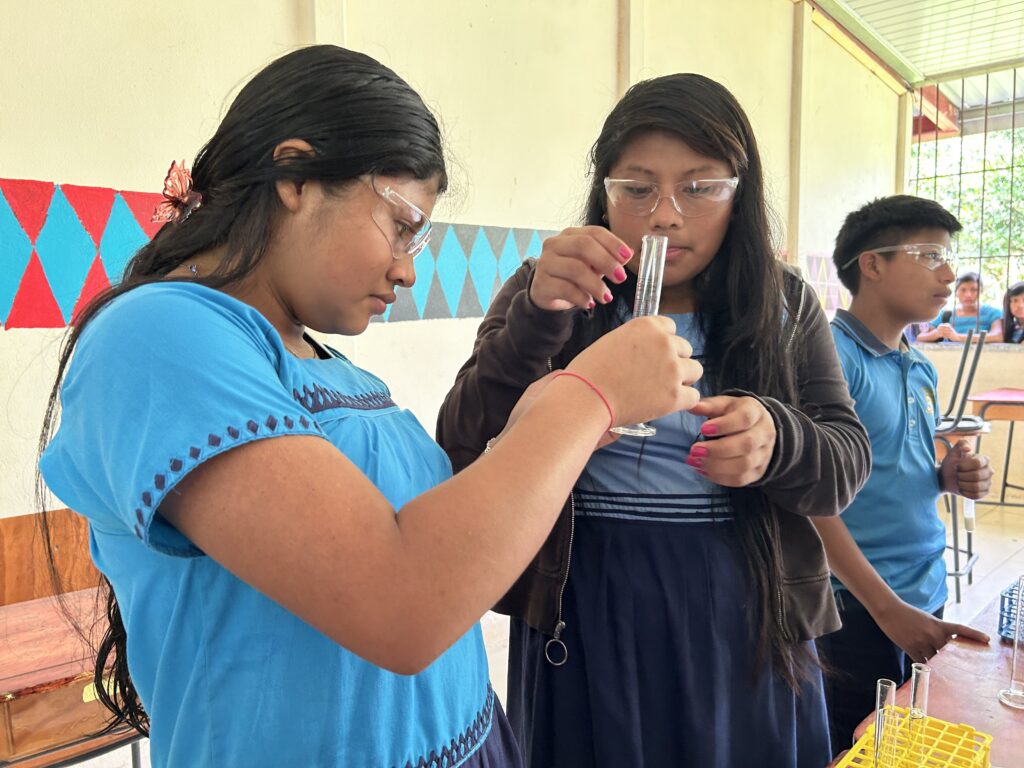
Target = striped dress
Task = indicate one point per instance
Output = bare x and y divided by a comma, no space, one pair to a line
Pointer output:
658,641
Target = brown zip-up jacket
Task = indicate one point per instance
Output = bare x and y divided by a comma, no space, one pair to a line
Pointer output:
822,454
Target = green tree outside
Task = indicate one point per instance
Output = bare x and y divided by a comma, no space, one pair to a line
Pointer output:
980,179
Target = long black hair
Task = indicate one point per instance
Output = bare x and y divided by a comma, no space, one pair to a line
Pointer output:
1009,321
360,118
740,299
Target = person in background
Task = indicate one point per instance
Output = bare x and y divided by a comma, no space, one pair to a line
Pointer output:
953,324
886,550
1013,314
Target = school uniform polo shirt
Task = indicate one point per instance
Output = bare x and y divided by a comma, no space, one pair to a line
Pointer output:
893,519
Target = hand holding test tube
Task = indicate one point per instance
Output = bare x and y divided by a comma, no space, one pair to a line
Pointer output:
648,298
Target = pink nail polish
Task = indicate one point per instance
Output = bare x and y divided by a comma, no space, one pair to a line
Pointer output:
709,429
619,274
695,462
698,450
625,253
607,296
591,304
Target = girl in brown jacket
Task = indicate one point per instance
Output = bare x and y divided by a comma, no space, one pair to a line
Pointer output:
668,620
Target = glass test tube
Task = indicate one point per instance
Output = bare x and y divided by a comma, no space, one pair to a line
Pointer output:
648,298
886,723
969,515
1014,695
919,680
920,675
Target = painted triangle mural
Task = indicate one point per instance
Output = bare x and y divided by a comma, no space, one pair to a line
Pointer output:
60,244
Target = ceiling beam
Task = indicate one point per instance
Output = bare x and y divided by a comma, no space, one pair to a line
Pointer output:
853,24
980,69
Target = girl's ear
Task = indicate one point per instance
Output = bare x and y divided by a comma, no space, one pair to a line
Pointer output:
289,191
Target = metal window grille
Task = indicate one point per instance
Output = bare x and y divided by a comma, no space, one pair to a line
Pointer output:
968,154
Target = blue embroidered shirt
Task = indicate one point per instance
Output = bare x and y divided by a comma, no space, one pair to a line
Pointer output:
163,379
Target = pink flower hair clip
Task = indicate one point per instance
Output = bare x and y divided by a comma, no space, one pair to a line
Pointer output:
179,197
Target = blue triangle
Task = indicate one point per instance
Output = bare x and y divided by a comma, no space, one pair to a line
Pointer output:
66,252
451,269
534,247
483,267
122,237
510,258
15,251
425,268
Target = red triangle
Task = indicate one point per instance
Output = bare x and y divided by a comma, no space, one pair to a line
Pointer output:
30,201
92,204
95,282
34,305
142,205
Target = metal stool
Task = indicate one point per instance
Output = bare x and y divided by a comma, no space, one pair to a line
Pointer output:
951,428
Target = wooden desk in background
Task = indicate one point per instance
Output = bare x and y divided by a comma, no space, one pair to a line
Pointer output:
964,688
1006,404
48,708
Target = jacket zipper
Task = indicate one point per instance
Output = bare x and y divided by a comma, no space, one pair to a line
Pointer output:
561,654
799,316
778,587
556,644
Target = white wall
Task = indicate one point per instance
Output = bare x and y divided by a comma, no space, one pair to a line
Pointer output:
848,155
107,94
521,88
746,46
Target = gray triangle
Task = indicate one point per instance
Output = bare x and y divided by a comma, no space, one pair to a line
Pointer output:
497,236
469,302
437,232
466,235
522,237
436,306
404,307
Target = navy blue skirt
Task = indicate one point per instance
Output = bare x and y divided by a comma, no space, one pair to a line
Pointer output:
499,749
660,668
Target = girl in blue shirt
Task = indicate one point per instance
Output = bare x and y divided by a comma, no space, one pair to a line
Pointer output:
953,325
296,578
1013,314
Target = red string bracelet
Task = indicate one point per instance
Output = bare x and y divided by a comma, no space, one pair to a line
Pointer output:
589,383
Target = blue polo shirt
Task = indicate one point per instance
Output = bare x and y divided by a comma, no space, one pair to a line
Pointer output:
893,519
982,322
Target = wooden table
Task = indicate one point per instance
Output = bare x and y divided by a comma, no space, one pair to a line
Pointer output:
1006,404
48,709
964,688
